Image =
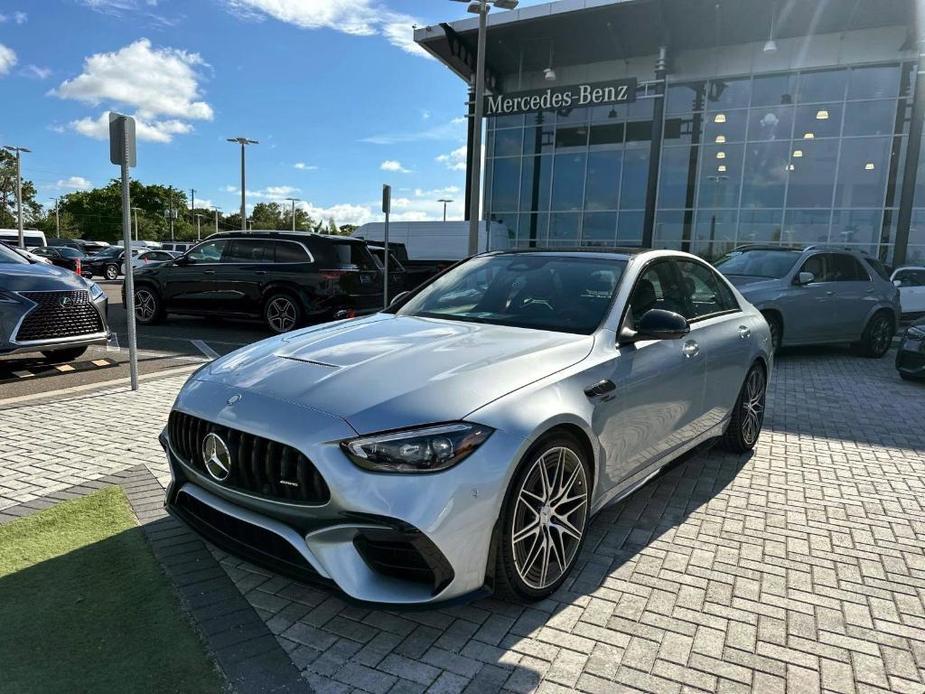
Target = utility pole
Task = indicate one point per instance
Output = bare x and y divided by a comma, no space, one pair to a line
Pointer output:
18,152
293,201
216,220
445,201
57,220
192,196
135,210
199,227
243,141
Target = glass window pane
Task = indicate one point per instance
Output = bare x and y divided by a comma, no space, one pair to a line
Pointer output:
507,221
677,178
571,137
856,226
568,181
539,139
577,115
505,184
723,94
682,128
720,175
917,228
685,97
770,123
639,131
290,252
540,118
765,174
208,252
608,112
811,182
862,172
508,142
880,81
633,183
602,190
759,226
629,228
825,85
870,118
714,232
534,184
532,230
599,229
773,90
641,108
820,120
511,121
606,136
669,229
563,229
725,126
806,226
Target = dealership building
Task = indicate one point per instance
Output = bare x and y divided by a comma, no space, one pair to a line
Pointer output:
700,124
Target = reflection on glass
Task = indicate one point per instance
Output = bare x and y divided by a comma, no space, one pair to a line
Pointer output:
856,226
508,142
806,226
573,116
770,123
633,183
629,228
760,226
608,112
602,189
731,126
720,188
722,94
811,180
638,131
876,82
870,118
505,184
568,181
539,139
773,90
513,121
765,177
714,232
599,229
823,85
822,120
675,180
563,229
862,172
681,98
571,138
669,229
535,182
607,136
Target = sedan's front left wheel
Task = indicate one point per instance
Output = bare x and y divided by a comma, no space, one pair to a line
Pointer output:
543,520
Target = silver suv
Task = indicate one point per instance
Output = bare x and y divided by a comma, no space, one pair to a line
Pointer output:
817,296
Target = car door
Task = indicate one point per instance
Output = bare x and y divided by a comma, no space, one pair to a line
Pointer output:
853,297
658,398
189,284
809,308
246,267
911,289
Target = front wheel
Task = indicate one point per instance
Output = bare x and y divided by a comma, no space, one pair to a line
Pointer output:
748,415
111,272
543,520
148,306
875,342
282,313
777,330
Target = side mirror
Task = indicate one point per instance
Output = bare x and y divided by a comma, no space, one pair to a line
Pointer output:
804,278
184,260
657,324
897,283
398,298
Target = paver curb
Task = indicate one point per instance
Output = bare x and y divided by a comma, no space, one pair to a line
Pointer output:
248,654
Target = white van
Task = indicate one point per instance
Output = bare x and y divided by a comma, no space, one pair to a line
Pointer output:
33,238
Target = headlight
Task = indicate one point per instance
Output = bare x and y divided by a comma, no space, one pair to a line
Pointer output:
916,331
96,291
427,449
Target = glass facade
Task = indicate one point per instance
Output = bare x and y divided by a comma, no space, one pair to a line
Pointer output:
802,157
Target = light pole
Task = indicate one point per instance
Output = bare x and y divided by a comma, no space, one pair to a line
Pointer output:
216,219
135,210
293,201
57,220
18,151
445,202
199,227
244,142
479,7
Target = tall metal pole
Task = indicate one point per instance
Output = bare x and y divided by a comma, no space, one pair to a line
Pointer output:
135,210
129,270
22,239
655,148
293,201
476,163
57,220
192,195
216,220
243,195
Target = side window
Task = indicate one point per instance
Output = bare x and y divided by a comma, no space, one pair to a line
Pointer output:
288,252
208,252
648,292
911,278
816,265
247,251
355,254
845,268
703,293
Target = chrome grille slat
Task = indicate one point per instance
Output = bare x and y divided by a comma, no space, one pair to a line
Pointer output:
50,319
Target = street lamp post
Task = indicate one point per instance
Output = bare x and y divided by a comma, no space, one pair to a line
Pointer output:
445,202
199,227
18,152
243,141
216,220
57,219
293,201
479,7
135,210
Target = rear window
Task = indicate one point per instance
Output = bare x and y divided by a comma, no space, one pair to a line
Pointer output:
290,252
354,254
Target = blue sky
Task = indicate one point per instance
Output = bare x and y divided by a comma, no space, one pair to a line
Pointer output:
338,96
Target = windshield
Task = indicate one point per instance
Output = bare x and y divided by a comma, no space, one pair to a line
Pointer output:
111,252
758,263
10,257
544,292
70,252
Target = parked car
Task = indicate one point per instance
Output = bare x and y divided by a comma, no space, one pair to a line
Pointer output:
28,255
910,356
464,438
283,278
48,309
33,238
64,256
911,283
817,296
177,246
398,275
108,262
149,258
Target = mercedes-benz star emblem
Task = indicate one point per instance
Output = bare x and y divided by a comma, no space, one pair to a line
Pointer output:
234,398
217,457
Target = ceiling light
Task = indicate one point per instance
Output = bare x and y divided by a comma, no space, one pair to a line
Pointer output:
720,155
790,167
719,118
797,153
809,136
721,168
720,139
770,46
822,114
869,166
549,75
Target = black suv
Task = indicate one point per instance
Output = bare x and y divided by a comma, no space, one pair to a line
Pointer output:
284,278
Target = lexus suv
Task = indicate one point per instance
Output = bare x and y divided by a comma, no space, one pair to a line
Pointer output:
284,278
817,296
48,309
463,439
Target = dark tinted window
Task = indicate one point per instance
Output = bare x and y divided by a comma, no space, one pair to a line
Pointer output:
289,252
704,294
248,251
208,252
66,252
816,266
845,268
354,254
758,263
911,278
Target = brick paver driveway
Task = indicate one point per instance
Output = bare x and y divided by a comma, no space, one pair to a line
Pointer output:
799,568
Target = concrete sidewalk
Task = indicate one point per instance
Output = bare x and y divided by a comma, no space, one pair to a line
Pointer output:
798,568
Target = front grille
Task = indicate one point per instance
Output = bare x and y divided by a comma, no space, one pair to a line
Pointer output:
59,314
259,466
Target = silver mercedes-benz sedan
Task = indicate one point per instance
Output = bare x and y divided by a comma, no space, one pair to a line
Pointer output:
463,439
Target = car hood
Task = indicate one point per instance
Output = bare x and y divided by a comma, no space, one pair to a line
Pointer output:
384,372
39,277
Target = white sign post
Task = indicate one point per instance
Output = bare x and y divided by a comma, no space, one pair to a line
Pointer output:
122,152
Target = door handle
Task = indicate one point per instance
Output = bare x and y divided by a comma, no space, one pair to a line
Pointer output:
690,349
260,272
600,388
209,272
829,293
745,332
869,291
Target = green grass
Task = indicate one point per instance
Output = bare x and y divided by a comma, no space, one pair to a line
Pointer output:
84,606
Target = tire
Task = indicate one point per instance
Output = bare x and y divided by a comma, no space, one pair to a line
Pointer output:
748,414
282,313
559,528
62,355
111,272
777,330
877,336
149,308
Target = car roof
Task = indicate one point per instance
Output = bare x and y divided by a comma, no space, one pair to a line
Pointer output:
282,234
615,253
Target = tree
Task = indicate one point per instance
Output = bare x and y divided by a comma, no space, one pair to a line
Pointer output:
31,209
347,229
332,227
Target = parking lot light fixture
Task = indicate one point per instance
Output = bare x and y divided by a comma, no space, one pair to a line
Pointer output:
18,152
244,142
445,202
293,201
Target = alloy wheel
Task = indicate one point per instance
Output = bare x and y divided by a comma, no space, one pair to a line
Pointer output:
112,272
281,314
145,304
549,517
880,335
753,406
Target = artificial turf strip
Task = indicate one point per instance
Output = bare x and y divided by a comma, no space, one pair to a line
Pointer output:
85,607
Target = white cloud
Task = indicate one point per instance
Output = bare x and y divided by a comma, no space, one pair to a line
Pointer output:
16,17
157,82
343,213
74,183
356,17
394,166
452,130
404,210
302,166
7,59
455,160
41,73
269,193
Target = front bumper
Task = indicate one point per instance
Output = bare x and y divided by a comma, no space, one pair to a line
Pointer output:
910,357
389,539
12,316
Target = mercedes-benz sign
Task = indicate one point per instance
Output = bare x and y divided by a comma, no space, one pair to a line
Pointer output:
217,457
